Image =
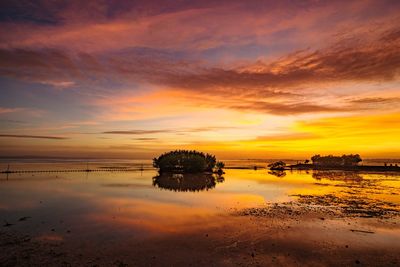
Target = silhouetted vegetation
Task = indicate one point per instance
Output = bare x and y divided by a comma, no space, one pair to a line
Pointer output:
345,160
187,161
220,165
279,166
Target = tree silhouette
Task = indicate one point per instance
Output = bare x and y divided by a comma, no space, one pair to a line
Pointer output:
186,161
279,165
330,160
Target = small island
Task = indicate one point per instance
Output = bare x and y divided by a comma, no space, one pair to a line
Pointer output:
277,166
188,161
349,162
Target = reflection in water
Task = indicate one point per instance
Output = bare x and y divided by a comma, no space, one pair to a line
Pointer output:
277,173
108,213
337,176
82,214
187,182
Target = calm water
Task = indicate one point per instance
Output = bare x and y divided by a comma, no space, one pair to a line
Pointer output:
139,200
107,207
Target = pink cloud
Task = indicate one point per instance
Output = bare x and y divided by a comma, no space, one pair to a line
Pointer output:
26,111
196,28
10,110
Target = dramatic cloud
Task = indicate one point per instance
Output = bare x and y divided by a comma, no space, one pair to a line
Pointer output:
367,58
195,72
345,61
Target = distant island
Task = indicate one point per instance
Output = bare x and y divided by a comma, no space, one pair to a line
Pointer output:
335,161
188,161
349,162
277,166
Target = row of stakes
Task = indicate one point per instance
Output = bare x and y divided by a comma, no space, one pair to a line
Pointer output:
74,170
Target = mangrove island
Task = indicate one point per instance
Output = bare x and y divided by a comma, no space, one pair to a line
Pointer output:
187,161
349,162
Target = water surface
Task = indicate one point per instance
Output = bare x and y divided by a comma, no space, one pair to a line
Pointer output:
103,209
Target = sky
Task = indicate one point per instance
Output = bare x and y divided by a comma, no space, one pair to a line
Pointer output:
239,79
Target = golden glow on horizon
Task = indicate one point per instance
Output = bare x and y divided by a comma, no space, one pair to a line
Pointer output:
371,136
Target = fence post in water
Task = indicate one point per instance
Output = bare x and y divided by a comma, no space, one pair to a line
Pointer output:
87,166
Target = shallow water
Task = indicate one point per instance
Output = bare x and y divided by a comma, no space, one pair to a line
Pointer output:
136,200
108,208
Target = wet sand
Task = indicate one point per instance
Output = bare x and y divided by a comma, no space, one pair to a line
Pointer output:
278,238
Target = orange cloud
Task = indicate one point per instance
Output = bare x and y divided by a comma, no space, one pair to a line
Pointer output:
33,136
164,65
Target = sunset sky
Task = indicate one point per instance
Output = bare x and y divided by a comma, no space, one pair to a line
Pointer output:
240,79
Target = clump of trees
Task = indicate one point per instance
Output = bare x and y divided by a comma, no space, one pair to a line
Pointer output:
187,161
279,166
344,160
